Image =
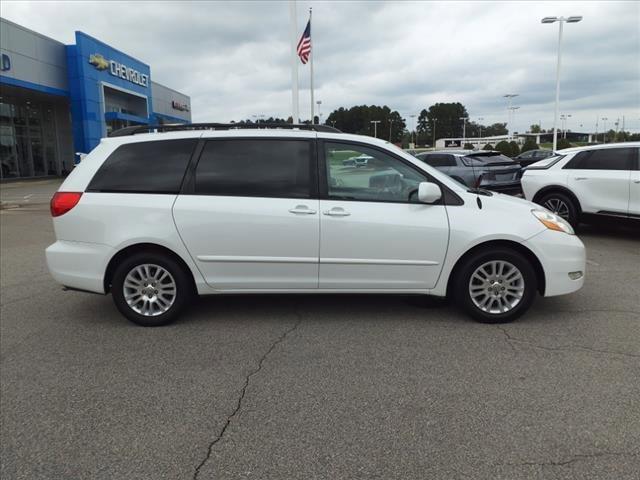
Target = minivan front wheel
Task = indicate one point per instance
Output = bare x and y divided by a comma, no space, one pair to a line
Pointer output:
496,286
150,289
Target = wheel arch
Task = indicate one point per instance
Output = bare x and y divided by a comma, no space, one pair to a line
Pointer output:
493,244
560,189
143,248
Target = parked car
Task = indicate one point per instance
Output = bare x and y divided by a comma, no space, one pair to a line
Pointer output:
357,161
532,156
490,170
153,218
576,183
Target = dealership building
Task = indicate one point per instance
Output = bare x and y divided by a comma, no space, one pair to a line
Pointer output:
59,100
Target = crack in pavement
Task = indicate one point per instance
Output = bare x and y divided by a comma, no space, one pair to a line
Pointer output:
574,458
247,379
564,348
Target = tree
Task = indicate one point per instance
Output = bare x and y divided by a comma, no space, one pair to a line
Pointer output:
447,121
504,148
515,149
529,145
534,128
488,146
358,120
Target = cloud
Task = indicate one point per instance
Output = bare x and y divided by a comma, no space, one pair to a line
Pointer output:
233,58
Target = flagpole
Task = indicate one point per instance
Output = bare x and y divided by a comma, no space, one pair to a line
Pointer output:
295,116
311,71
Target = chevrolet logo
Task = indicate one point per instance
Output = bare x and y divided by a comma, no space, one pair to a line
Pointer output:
99,61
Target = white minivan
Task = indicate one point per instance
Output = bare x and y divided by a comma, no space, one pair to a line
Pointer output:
154,218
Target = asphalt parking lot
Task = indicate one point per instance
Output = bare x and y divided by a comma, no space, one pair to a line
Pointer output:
327,387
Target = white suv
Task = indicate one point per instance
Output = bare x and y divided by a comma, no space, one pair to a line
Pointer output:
596,180
156,217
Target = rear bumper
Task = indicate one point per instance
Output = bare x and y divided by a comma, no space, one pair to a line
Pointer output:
79,265
560,254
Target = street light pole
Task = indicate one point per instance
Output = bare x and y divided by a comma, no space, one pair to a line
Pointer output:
561,21
434,134
480,119
464,130
509,97
390,126
375,127
319,102
415,131
604,131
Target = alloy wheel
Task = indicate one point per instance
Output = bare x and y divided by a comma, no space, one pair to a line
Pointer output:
149,289
496,287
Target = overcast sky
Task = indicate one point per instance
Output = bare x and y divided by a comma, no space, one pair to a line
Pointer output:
233,58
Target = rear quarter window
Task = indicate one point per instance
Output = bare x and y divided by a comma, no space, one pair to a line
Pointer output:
145,167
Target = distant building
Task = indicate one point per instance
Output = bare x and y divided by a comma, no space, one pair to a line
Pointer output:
57,100
519,138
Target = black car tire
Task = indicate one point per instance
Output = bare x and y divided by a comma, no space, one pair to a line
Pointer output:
552,200
462,281
178,277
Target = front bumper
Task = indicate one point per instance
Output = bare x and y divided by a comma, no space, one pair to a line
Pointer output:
79,265
560,254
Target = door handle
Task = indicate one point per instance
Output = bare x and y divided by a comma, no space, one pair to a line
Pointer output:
336,212
302,209
581,178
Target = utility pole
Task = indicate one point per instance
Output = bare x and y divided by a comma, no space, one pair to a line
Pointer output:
375,127
480,119
604,132
390,126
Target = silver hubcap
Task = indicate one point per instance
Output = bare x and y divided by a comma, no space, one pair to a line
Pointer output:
496,287
558,207
149,290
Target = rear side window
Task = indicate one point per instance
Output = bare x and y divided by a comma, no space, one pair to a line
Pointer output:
439,160
255,168
144,167
603,159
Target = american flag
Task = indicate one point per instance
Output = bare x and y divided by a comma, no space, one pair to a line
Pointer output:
304,45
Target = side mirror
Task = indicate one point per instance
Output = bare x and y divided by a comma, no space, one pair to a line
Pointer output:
429,192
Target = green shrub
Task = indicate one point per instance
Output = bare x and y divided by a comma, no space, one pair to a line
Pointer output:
488,146
563,143
515,149
468,146
529,145
504,148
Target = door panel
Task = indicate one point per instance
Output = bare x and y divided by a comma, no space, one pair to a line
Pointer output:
601,190
251,243
381,245
600,179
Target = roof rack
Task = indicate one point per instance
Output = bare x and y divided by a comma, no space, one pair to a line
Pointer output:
123,132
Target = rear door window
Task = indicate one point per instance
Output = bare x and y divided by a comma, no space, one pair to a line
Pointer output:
603,159
256,168
439,160
144,167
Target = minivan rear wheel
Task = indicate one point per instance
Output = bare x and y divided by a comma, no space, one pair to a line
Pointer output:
496,286
150,289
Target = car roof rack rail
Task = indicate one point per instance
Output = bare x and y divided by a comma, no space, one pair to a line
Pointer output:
133,130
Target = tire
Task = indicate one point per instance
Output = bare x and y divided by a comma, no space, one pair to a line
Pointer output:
513,294
561,204
151,276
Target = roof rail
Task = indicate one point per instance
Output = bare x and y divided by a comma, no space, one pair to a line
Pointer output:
123,132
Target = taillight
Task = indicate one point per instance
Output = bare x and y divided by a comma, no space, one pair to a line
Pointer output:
62,202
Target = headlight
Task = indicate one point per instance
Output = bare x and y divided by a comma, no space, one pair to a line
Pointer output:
553,221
